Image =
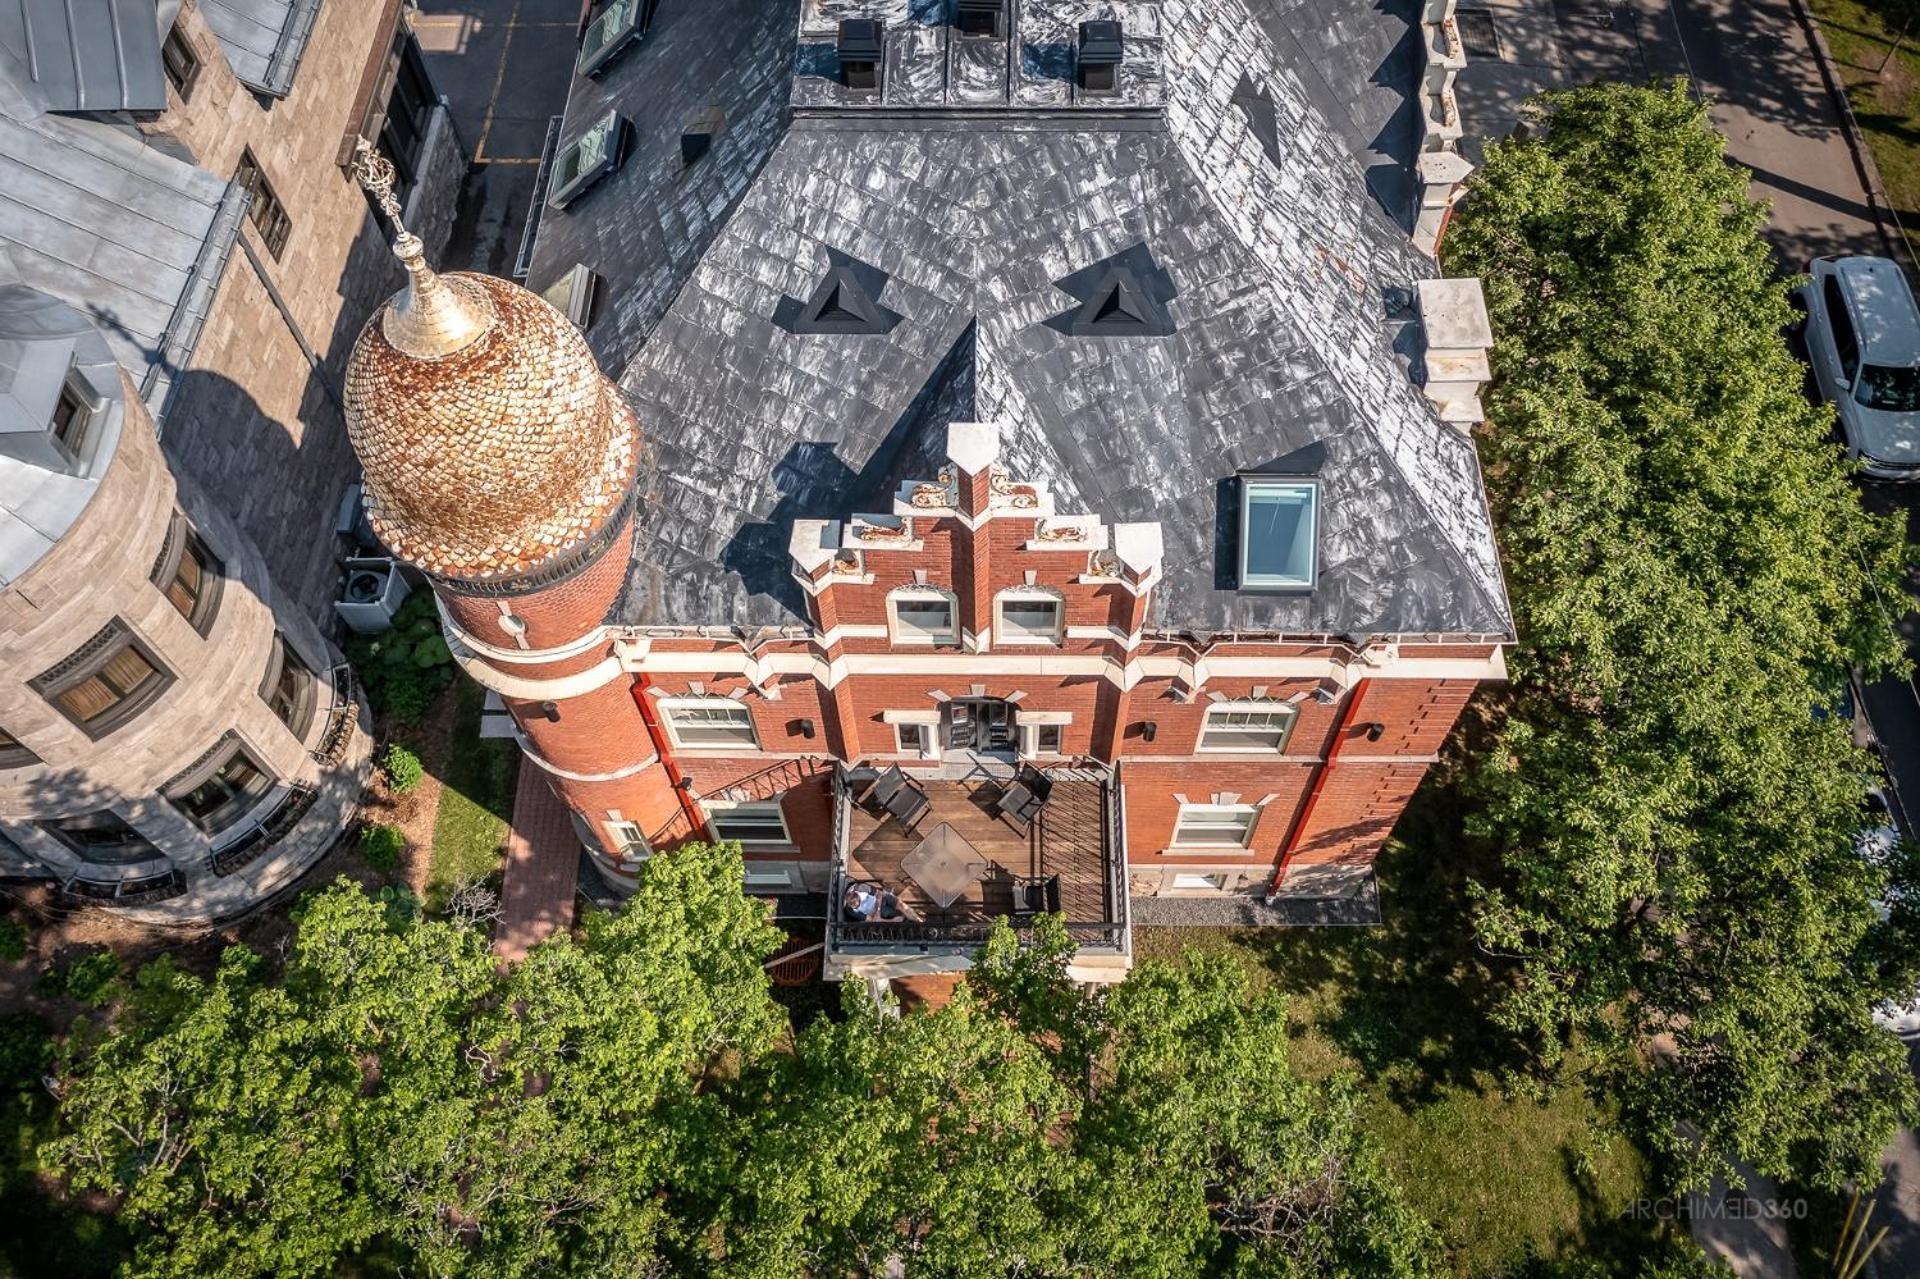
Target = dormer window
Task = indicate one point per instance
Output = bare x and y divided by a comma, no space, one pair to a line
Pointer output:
73,417
1028,617
923,615
1098,64
1279,522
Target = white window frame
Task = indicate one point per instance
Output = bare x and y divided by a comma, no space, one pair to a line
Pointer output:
1029,595
1223,815
669,706
929,735
1197,881
901,635
1251,485
717,807
1030,726
632,839
774,879
1290,716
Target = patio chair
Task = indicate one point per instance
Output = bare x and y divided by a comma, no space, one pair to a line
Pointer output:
1032,896
1036,782
906,803
883,787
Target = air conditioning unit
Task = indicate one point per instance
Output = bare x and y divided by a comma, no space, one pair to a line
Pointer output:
371,594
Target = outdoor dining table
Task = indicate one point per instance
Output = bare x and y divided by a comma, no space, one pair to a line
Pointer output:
945,865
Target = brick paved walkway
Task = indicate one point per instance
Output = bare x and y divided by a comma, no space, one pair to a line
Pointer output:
543,868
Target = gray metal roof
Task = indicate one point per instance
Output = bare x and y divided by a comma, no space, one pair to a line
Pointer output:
263,39
86,55
1216,158
41,341
130,235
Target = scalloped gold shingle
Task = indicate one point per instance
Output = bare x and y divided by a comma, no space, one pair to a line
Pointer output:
488,461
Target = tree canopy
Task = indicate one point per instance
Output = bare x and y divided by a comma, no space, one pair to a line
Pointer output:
1674,801
632,1103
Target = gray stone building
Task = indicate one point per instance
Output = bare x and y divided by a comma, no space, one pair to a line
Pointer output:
184,261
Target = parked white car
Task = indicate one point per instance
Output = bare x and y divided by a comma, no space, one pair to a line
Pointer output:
1863,339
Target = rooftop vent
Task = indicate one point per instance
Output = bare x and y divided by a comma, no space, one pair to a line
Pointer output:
861,46
1098,67
846,301
983,18
698,137
1125,295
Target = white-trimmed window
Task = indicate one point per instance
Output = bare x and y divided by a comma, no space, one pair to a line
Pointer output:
923,615
714,722
1042,732
1248,727
1215,825
757,821
1277,533
768,879
1195,882
1028,617
913,739
630,843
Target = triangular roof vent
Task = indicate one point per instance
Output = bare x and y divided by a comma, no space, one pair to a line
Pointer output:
845,301
1125,295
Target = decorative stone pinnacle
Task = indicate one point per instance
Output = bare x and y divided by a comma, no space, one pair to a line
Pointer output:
433,317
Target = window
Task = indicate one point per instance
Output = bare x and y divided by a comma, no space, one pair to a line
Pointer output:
1890,390
189,575
1046,739
1845,344
1277,519
217,795
289,688
608,33
1215,825
268,215
913,739
13,754
768,879
399,110
586,160
1028,617
1192,882
108,681
754,822
180,62
923,615
74,414
102,838
629,843
711,723
1248,727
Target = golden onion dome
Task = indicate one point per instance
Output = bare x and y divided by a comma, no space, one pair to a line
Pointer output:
490,440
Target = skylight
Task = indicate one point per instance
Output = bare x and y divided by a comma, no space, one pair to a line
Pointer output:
585,160
1278,528
609,33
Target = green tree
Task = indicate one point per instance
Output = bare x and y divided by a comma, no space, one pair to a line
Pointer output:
1692,575
395,1089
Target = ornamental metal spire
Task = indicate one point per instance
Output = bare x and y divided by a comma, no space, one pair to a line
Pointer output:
433,316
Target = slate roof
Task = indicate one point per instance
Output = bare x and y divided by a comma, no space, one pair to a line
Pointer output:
1245,186
85,55
263,39
129,235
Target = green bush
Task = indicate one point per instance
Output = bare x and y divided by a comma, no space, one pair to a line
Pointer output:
94,979
405,668
13,940
25,1050
381,846
402,767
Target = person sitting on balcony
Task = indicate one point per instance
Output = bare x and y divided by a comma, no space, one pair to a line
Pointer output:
861,902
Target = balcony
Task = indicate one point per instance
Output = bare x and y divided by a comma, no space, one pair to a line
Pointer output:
1072,848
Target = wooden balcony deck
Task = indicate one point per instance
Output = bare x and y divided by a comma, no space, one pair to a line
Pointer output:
1069,839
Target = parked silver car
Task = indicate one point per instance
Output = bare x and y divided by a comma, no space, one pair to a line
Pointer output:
1863,338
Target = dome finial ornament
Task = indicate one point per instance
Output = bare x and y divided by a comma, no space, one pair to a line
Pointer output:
433,317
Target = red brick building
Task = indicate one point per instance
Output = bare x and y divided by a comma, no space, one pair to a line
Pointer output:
1049,440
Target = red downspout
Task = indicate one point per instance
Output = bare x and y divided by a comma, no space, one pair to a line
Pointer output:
674,776
1319,781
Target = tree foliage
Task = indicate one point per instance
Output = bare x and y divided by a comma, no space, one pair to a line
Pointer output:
629,1104
1692,575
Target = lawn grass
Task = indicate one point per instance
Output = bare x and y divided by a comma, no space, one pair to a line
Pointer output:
470,832
1505,1177
1886,102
